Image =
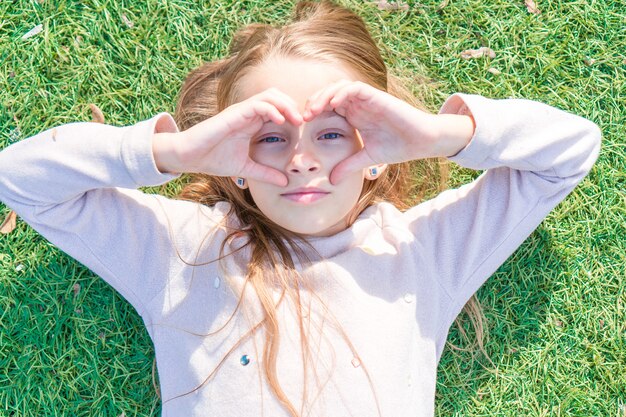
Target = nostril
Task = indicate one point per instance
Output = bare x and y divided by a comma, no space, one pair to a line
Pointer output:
312,169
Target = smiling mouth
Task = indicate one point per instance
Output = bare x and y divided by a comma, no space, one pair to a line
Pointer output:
305,197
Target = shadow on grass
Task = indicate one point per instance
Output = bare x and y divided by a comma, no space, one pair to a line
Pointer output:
515,301
69,341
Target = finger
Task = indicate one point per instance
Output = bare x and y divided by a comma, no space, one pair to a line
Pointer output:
314,98
254,170
285,104
264,110
353,163
357,91
307,115
324,97
321,101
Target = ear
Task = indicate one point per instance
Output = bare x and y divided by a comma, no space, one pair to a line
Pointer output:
374,171
240,182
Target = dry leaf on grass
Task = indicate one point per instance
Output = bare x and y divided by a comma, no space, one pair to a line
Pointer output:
494,71
477,53
532,7
385,5
96,114
443,4
9,223
34,31
127,21
589,61
64,55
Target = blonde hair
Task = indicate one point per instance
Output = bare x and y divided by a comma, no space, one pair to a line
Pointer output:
212,87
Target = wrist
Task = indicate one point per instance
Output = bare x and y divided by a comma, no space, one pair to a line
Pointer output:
165,152
455,133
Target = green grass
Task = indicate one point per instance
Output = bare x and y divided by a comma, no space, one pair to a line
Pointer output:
556,310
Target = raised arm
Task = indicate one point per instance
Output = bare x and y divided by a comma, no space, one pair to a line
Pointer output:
76,185
534,155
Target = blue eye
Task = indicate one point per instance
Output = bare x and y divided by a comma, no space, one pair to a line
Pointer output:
271,139
336,135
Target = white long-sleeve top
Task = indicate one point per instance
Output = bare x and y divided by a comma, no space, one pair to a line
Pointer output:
393,282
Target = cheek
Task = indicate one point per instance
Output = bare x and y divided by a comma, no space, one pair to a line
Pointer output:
260,192
351,187
335,154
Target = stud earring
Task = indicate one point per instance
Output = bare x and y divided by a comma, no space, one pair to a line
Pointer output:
241,182
373,172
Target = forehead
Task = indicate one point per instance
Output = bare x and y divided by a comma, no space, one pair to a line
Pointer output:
297,77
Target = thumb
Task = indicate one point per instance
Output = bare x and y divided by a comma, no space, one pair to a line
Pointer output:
351,164
263,173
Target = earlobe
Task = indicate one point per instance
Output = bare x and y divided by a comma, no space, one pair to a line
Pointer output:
374,171
240,182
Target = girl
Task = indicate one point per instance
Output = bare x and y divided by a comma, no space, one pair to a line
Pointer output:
284,282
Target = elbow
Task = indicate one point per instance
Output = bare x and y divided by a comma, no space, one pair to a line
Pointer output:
593,139
596,137
579,154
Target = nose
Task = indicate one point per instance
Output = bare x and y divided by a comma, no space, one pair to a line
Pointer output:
302,161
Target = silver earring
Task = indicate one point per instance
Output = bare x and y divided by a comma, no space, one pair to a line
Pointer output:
241,182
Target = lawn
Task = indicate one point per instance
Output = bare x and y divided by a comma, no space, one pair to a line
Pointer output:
555,311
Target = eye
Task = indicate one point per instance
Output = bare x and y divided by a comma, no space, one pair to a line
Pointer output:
271,139
331,135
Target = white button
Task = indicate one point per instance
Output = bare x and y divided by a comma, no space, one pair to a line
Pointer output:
216,283
355,362
408,298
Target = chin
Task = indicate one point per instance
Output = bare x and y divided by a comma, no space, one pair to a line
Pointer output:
317,230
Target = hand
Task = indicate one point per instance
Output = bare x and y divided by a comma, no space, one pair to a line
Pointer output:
392,130
220,145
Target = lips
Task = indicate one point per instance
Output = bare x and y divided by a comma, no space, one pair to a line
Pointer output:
305,195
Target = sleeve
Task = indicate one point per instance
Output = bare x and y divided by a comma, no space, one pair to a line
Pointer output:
533,156
76,184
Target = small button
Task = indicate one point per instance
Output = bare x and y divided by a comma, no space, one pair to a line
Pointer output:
408,298
356,362
216,282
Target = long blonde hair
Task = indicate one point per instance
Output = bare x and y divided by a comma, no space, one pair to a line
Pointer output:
324,32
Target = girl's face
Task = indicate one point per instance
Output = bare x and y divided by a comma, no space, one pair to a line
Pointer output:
306,154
